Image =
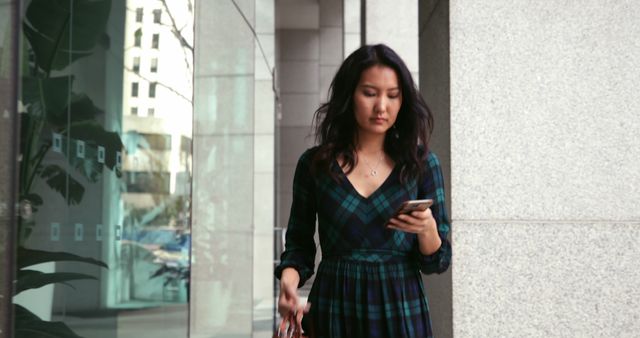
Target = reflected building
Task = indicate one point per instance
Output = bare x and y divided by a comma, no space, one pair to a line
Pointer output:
157,122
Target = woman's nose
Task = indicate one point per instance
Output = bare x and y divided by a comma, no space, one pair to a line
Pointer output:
381,105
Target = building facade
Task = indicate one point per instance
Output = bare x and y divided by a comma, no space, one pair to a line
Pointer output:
148,154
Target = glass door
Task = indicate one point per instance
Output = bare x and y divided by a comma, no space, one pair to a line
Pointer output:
104,192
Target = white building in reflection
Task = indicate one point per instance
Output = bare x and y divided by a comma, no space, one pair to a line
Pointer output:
157,128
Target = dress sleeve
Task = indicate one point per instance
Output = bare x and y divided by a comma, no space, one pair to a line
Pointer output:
432,186
300,247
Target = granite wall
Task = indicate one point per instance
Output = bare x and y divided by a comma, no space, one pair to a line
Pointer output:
545,163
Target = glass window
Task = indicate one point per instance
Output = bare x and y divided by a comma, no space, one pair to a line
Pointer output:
152,89
138,38
155,43
157,14
151,111
126,254
136,64
134,89
154,65
139,13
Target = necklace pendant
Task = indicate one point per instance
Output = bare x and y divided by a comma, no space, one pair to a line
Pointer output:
373,172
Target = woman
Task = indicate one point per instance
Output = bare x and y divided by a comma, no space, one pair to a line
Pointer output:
372,156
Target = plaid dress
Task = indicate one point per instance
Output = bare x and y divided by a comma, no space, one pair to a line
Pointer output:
368,283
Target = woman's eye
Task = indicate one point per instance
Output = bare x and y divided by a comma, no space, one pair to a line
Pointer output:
369,94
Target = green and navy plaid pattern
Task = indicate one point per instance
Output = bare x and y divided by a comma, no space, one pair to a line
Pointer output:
368,283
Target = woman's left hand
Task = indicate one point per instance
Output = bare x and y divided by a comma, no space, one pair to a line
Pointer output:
418,222
423,225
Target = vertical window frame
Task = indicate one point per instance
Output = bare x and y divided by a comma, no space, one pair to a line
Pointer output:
135,89
153,89
155,41
139,14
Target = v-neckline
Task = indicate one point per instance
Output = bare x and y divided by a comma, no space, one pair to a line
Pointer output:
352,187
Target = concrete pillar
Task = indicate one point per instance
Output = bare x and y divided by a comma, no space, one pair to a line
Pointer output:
264,169
331,43
545,159
232,168
394,23
352,26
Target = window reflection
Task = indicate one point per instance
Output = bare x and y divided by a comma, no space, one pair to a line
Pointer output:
157,13
155,42
136,64
139,13
107,170
134,89
152,89
138,38
157,163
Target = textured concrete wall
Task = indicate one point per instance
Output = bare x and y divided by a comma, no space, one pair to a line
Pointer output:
351,18
545,158
394,23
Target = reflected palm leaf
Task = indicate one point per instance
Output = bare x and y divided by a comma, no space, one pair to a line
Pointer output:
28,257
34,199
29,325
52,94
48,23
32,279
56,178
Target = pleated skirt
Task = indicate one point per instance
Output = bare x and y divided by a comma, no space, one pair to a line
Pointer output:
355,298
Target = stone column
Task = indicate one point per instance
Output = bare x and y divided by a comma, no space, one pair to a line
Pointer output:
352,26
545,168
394,23
331,42
264,169
232,167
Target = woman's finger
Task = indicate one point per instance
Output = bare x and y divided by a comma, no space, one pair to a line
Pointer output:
410,220
422,214
299,315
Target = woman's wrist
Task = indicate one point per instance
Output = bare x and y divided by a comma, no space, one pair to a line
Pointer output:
429,242
290,276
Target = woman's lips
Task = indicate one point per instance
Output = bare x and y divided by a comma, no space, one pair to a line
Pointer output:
378,120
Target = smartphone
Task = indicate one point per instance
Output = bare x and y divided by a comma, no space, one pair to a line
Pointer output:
413,205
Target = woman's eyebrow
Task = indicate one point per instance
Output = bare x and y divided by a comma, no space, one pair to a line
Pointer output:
374,87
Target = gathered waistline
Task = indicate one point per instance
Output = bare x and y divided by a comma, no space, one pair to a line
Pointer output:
372,256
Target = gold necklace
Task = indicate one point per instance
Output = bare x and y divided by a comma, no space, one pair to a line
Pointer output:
373,170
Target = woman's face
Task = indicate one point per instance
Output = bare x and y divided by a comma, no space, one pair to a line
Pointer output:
377,100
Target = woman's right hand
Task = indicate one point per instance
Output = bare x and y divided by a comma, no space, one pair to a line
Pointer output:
288,301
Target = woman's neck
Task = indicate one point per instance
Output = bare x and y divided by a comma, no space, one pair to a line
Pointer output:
369,143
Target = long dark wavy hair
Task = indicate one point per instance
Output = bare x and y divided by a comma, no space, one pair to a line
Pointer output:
336,126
